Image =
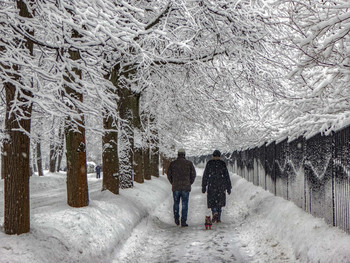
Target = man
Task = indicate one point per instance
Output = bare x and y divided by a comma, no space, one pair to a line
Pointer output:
216,178
98,171
181,174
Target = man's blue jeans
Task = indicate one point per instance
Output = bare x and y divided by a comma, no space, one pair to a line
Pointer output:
217,210
184,196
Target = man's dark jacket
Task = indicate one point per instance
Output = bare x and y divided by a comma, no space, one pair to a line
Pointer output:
181,174
216,181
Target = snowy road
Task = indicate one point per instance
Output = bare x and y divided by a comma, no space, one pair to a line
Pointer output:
43,196
158,239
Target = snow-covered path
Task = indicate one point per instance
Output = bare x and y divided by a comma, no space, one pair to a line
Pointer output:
158,239
137,226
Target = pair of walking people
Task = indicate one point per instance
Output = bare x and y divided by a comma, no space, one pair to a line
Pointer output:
216,181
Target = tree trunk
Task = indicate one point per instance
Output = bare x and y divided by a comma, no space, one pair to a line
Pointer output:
52,158
162,163
2,163
53,153
16,166
16,149
110,162
126,143
77,185
155,161
138,165
33,158
60,147
39,158
154,151
147,163
165,164
128,104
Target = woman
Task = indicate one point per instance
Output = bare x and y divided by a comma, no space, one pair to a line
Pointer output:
216,181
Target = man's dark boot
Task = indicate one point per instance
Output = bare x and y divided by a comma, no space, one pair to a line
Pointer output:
218,220
183,223
177,221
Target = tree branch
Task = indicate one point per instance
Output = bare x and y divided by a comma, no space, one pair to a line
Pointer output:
157,19
33,39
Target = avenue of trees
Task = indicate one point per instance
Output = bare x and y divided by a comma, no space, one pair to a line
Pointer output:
138,79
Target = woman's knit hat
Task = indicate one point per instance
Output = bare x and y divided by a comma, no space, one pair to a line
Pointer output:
216,153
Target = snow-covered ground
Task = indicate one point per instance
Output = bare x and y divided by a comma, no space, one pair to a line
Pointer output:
137,226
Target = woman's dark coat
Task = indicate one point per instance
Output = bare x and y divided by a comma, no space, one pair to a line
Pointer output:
216,181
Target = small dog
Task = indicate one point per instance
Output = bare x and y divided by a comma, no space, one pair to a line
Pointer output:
208,222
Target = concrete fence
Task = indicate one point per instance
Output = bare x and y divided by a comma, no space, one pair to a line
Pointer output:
313,173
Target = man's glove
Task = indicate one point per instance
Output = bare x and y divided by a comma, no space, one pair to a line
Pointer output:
203,190
229,191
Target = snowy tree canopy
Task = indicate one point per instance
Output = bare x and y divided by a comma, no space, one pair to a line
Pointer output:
317,34
213,74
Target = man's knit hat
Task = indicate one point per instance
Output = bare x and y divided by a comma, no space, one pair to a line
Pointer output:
181,151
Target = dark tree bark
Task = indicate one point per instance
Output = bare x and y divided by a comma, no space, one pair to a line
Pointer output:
2,164
16,161
16,166
39,162
138,164
110,161
154,151
147,163
52,157
60,147
38,156
165,164
77,185
154,166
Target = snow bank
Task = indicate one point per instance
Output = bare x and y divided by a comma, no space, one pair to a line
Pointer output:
270,228
311,239
60,233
